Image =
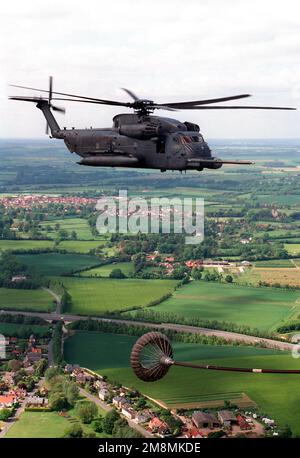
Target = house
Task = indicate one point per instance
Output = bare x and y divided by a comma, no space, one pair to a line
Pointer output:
128,412
120,401
227,418
194,263
69,368
19,393
36,401
241,421
205,420
141,418
18,278
103,394
7,401
193,433
158,426
32,357
100,385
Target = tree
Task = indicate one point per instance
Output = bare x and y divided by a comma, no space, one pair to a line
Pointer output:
74,235
41,367
86,411
97,425
228,279
117,273
72,392
141,402
5,414
58,401
51,372
74,431
109,420
14,365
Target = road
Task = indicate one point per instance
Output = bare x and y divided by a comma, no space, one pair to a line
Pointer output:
229,336
106,407
57,299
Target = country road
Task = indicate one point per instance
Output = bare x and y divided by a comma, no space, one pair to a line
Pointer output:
230,336
56,297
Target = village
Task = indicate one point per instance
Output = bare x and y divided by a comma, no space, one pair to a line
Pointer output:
22,388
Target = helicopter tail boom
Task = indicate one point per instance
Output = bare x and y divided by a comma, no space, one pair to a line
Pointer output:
51,121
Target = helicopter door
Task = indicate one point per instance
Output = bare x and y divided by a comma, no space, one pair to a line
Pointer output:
160,146
176,153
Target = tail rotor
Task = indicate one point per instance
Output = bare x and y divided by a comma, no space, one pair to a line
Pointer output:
54,108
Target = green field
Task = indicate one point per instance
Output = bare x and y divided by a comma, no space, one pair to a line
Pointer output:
79,225
11,329
38,425
292,248
24,299
104,271
81,246
261,308
277,395
92,296
275,263
25,244
58,264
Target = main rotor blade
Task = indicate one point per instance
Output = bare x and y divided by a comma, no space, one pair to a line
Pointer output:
236,107
104,101
50,89
204,102
131,94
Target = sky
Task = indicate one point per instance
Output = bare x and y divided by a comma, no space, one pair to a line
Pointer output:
164,50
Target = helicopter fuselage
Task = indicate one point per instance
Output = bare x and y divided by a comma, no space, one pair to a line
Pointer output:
141,142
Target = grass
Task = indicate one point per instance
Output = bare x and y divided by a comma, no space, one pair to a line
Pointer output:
92,296
58,264
261,308
35,300
277,395
104,271
80,246
79,225
38,425
274,263
25,244
292,248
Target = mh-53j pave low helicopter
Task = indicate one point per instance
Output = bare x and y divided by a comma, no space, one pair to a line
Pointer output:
138,140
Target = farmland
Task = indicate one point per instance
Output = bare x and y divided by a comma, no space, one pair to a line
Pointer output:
25,244
261,308
292,248
191,385
104,271
79,225
80,246
58,264
11,329
92,296
30,300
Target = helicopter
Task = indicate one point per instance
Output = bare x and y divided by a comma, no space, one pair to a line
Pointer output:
139,139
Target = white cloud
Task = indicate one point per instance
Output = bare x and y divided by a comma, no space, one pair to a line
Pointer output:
167,50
